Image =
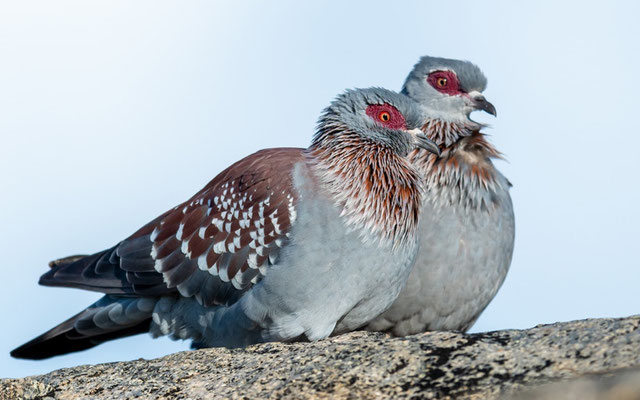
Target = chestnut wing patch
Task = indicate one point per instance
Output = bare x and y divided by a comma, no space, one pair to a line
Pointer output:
223,240
214,246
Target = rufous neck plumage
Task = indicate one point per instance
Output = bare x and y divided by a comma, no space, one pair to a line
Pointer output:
464,173
378,190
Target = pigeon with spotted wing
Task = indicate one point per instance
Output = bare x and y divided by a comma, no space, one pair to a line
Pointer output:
467,227
285,244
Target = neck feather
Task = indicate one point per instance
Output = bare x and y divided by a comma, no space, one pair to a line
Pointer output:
464,173
377,190
446,133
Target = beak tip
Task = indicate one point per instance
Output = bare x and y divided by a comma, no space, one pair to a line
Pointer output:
481,103
428,145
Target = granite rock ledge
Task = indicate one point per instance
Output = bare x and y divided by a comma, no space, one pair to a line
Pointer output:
515,364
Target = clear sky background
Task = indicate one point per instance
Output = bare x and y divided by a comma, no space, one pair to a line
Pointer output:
111,112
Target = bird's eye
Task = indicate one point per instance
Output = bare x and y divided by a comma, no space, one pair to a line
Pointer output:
386,115
444,82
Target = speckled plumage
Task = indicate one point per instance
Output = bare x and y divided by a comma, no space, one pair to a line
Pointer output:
285,244
467,227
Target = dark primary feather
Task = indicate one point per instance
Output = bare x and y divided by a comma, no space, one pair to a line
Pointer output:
101,272
65,338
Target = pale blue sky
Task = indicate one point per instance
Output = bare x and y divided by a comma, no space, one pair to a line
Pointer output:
112,112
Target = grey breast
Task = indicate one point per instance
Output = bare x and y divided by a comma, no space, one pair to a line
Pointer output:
463,259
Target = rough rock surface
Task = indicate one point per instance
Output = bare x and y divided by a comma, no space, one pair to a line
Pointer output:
607,386
369,365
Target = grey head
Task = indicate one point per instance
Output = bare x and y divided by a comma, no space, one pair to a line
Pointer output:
374,115
449,89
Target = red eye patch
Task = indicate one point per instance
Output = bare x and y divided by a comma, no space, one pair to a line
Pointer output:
444,82
387,116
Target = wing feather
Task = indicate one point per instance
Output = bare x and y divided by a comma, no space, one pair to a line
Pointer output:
214,246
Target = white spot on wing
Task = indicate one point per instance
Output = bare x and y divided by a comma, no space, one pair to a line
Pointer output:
219,247
158,265
185,248
180,231
202,261
214,270
218,223
236,284
252,260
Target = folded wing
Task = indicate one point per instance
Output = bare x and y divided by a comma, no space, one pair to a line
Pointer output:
213,246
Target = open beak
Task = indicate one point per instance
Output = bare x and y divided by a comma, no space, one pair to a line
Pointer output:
480,103
423,142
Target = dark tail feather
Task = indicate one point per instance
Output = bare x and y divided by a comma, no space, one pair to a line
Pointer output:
97,272
50,345
81,331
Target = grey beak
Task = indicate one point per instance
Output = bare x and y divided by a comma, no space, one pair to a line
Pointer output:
480,103
423,142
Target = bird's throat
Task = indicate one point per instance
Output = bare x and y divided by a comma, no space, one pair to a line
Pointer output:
462,171
378,191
